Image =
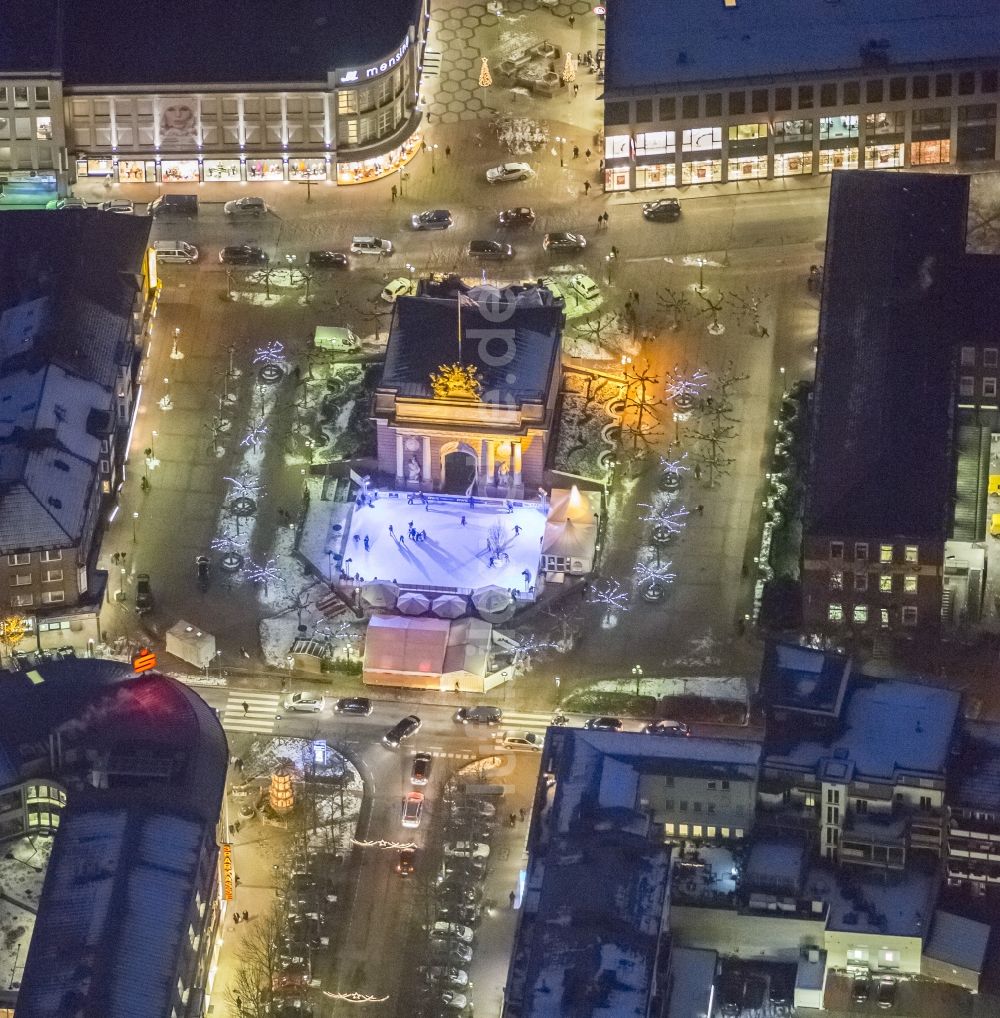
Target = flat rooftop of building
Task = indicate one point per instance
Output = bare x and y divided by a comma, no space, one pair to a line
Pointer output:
880,453
958,941
974,780
692,976
663,45
202,41
886,726
804,679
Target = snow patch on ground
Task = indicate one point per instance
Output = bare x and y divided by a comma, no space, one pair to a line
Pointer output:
724,688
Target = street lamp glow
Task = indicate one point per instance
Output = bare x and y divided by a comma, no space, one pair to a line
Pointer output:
135,520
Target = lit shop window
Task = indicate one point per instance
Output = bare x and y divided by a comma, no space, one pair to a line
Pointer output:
701,139
616,146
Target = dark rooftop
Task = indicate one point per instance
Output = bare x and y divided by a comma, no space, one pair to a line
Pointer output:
203,41
974,780
514,369
686,41
804,679
881,460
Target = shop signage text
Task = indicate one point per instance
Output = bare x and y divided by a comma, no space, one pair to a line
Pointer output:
348,77
227,872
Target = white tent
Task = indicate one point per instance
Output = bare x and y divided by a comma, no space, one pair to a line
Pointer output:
190,644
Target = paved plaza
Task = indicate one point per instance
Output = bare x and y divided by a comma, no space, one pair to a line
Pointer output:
455,555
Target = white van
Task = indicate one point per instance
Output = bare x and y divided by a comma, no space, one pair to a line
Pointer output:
175,251
371,245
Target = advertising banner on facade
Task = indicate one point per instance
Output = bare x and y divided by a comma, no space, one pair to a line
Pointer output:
177,121
226,858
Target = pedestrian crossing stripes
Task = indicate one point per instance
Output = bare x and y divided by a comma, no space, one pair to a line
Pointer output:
529,721
251,712
432,63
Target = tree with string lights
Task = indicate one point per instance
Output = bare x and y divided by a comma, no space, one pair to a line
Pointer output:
613,597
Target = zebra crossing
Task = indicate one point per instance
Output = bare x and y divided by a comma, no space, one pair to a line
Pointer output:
526,721
251,712
432,63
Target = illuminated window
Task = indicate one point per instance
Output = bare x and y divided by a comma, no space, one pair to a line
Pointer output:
835,612
836,580
861,613
347,101
710,832
910,584
740,132
616,146
701,139
911,554
884,618
885,584
682,830
738,833
668,830
724,831
696,831
885,553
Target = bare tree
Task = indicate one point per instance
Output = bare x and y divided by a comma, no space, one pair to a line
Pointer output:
675,303
747,305
601,327
712,306
258,964
711,451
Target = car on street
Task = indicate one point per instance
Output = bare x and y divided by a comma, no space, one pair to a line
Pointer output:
522,740
413,809
371,246
670,728
482,715
563,242
604,724
455,953
490,250
432,219
421,769
450,931
666,210
143,594
123,206
327,260
359,705
478,808
885,993
584,286
243,254
249,205
405,861
467,849
446,975
401,287
307,703
455,889
509,171
521,216
454,999
402,729
860,988
72,202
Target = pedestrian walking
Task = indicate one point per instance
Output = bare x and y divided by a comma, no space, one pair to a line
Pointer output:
237,826
700,509
464,521
447,151
588,153
492,560
576,151
576,89
572,20
394,191
232,830
392,530
600,166
246,708
697,471
239,880
368,543
428,116
586,187
357,538
517,529
236,919
239,1002
635,296
614,252
600,223
423,535
402,539
523,813
246,916
512,820
513,898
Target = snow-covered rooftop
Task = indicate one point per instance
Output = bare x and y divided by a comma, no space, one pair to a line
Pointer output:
687,41
886,727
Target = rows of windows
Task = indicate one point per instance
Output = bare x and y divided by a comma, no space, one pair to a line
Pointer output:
859,582
698,831
21,96
886,552
831,94
28,600
23,558
711,785
860,614
682,806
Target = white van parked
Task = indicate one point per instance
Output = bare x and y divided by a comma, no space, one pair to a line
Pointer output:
175,251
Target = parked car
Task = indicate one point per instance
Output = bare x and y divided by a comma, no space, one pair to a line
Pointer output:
459,867
175,251
675,728
885,994
490,250
509,171
467,849
123,206
584,286
248,205
327,260
456,889
483,715
522,740
564,242
143,594
371,246
421,769
447,975
450,931
413,809
243,254
454,953
521,216
604,724
860,988
174,205
454,999
405,862
71,202
432,219
359,705
307,703
666,210
403,729
401,287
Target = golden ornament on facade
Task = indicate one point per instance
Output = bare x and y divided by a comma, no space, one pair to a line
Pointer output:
457,381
